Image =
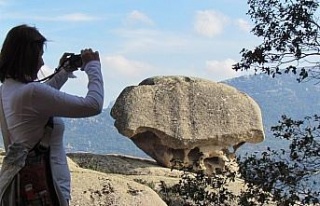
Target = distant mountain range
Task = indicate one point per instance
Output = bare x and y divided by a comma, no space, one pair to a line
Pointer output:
276,96
282,95
98,135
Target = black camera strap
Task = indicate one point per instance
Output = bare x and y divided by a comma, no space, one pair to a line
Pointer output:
72,61
51,75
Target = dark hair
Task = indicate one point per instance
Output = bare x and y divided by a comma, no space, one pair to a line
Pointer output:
20,53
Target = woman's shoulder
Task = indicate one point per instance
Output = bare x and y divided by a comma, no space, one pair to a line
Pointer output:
13,86
28,90
14,91
38,87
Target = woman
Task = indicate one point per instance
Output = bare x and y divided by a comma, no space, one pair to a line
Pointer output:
28,104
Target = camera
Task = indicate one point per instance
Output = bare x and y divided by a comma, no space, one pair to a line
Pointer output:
74,61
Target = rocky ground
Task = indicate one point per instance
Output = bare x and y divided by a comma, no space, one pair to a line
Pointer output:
117,180
114,180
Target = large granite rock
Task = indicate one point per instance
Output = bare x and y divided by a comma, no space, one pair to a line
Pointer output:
194,121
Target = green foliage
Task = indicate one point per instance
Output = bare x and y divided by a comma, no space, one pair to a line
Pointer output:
197,189
290,42
89,162
289,29
144,182
291,175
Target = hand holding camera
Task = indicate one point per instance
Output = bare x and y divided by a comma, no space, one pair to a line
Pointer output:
88,55
72,62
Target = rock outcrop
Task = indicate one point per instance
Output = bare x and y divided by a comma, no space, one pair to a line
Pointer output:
93,187
190,120
117,180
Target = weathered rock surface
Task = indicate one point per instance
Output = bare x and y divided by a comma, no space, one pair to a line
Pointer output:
115,180
90,187
188,119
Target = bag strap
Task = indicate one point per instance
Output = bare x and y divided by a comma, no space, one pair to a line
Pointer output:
44,142
4,127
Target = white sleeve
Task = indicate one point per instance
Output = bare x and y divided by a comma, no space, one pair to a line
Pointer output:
52,102
58,80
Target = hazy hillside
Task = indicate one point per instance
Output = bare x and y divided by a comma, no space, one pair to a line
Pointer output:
98,135
280,95
276,96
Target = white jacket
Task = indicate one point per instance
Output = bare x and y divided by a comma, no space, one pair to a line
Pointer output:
27,108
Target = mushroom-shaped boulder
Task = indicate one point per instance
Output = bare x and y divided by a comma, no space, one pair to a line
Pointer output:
187,119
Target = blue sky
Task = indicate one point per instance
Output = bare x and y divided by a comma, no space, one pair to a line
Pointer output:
138,39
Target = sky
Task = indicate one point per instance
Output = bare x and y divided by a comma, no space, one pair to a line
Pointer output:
138,39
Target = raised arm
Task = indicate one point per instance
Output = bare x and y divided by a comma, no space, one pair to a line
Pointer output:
51,102
58,80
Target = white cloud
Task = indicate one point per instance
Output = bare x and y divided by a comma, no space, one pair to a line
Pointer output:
209,23
151,41
137,17
72,17
243,25
75,17
221,70
120,65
